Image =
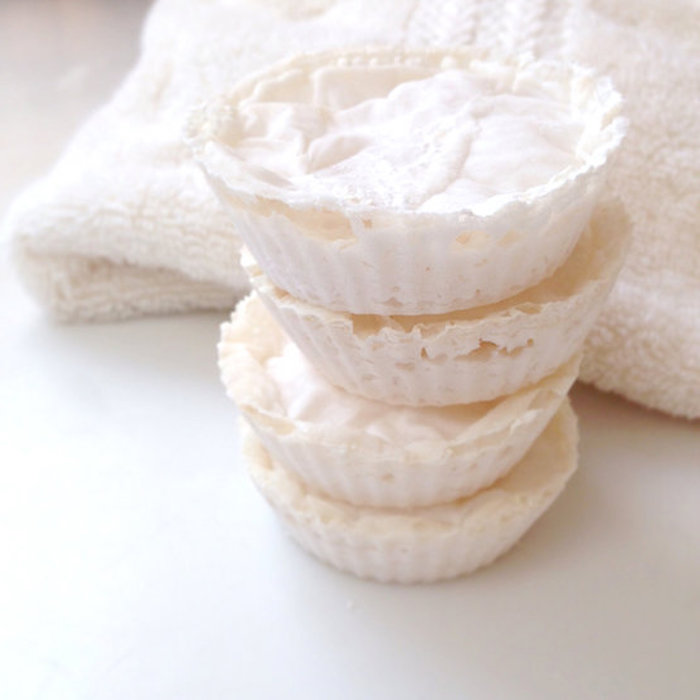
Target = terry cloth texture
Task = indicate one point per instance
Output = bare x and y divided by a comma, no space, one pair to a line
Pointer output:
125,223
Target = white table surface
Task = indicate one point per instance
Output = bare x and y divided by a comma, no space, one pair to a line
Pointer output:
138,562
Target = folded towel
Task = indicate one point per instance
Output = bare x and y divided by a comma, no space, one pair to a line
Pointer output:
125,223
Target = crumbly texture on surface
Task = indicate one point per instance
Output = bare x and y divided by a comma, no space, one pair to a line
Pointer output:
463,356
265,372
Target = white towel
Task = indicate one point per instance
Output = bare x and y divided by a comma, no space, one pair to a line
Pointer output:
125,224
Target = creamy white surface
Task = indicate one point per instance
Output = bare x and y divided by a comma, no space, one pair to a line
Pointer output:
307,396
403,137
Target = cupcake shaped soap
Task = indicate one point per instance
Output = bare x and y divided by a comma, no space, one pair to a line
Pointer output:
365,452
386,181
463,356
423,544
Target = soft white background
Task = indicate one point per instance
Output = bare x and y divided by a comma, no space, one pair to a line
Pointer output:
137,562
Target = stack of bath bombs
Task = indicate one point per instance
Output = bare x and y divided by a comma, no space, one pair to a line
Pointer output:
427,253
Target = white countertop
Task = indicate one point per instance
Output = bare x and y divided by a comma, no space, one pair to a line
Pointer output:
137,561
